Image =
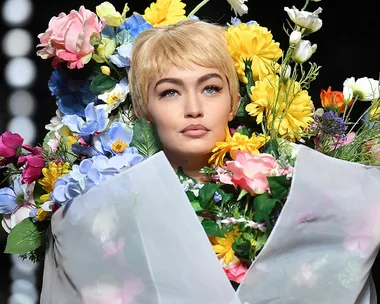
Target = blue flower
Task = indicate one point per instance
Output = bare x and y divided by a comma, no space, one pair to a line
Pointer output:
235,21
123,57
117,138
135,25
217,197
96,120
71,97
10,197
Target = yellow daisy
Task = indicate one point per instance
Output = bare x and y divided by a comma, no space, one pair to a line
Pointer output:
223,247
51,174
165,12
253,43
286,110
375,110
236,142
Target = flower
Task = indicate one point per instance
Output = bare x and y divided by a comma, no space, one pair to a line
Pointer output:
250,172
33,169
68,38
39,215
96,121
331,124
363,89
303,51
117,95
17,216
288,109
135,24
295,37
334,100
223,248
238,142
72,96
308,21
55,122
105,48
117,138
253,45
165,12
107,11
9,144
50,176
238,6
236,273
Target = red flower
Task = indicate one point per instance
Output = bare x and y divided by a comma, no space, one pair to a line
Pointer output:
9,143
333,99
33,168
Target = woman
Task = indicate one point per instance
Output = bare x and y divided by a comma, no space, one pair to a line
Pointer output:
183,81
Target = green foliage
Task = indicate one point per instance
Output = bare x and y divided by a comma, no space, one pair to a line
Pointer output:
145,138
206,195
279,186
102,82
263,205
25,237
212,228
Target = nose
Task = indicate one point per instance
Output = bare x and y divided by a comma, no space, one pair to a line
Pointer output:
193,106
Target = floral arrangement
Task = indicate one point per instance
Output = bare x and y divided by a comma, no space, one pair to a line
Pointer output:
95,134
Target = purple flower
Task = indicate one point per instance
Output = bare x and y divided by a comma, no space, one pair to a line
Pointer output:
96,120
330,123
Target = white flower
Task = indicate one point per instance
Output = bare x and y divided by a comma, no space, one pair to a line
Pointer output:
303,51
364,89
238,6
295,37
286,73
116,96
307,20
55,123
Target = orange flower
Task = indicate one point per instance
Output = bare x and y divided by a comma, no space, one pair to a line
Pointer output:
333,99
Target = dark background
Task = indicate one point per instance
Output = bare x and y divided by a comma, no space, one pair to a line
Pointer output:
348,46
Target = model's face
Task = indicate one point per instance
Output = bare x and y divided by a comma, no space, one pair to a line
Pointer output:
190,109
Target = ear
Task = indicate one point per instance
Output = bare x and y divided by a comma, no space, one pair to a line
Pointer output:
234,109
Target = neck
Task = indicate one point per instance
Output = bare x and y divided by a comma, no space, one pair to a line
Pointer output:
190,164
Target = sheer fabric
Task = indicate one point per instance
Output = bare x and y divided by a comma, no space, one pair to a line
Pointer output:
135,239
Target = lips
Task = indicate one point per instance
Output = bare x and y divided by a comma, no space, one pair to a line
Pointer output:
195,130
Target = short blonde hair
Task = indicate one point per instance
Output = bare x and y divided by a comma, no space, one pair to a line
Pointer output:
156,50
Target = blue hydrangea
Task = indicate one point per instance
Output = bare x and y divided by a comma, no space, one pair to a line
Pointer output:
135,25
71,98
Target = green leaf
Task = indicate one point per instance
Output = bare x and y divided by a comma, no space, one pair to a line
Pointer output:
145,138
260,242
38,191
271,147
24,237
241,112
102,82
226,197
212,228
242,246
263,205
279,186
206,195
196,206
245,131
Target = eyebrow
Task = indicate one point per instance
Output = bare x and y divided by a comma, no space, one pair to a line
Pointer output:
181,83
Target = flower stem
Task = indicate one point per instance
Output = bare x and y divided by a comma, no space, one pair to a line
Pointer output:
197,8
305,6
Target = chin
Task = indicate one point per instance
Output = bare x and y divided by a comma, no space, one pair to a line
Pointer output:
194,149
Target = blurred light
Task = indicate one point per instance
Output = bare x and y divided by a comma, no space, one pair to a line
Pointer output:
20,72
24,266
23,126
21,103
18,298
17,42
17,12
24,287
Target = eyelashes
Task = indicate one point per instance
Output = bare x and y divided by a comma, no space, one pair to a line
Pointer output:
209,90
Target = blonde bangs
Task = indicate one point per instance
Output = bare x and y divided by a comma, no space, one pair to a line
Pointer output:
189,42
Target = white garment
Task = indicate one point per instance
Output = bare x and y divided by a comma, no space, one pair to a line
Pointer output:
135,239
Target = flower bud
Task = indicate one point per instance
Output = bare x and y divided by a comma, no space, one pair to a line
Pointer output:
303,51
295,37
105,70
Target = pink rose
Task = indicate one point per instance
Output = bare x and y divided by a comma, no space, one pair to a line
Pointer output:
9,143
250,172
236,272
33,168
68,38
18,215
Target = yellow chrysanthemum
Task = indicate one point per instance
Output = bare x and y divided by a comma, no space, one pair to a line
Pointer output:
65,131
287,111
51,174
41,215
165,12
236,142
223,247
253,43
375,111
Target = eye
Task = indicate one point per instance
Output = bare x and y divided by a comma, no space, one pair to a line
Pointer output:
168,93
212,89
